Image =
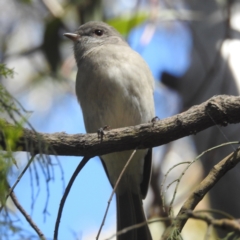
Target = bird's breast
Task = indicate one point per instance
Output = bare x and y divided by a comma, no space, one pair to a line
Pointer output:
113,90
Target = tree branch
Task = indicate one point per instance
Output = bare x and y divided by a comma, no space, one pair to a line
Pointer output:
216,173
224,223
67,190
26,215
221,110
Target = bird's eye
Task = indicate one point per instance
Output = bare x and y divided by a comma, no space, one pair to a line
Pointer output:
98,32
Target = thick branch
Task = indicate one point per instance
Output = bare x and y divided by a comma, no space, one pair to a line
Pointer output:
220,110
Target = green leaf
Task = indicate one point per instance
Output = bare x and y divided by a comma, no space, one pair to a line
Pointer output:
6,72
124,24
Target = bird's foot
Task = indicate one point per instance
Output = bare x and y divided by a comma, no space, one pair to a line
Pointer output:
154,120
101,130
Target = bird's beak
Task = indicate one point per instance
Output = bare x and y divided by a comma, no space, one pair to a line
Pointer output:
73,36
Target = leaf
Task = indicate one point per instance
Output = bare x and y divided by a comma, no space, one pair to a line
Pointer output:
125,24
6,72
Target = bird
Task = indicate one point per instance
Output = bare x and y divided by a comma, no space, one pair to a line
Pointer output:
114,87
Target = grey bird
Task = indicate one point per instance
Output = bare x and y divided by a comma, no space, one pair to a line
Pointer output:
114,87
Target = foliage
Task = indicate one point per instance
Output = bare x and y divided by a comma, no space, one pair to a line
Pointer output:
5,72
125,24
9,136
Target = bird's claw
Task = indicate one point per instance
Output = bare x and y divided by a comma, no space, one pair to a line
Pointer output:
154,120
101,133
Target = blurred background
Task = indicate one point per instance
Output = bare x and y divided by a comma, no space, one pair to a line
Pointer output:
193,51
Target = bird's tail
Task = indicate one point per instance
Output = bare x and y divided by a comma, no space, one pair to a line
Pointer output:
129,213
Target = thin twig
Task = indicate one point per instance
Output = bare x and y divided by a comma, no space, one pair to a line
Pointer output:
135,226
208,232
18,179
113,191
228,224
215,211
68,188
184,171
163,183
25,214
216,173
